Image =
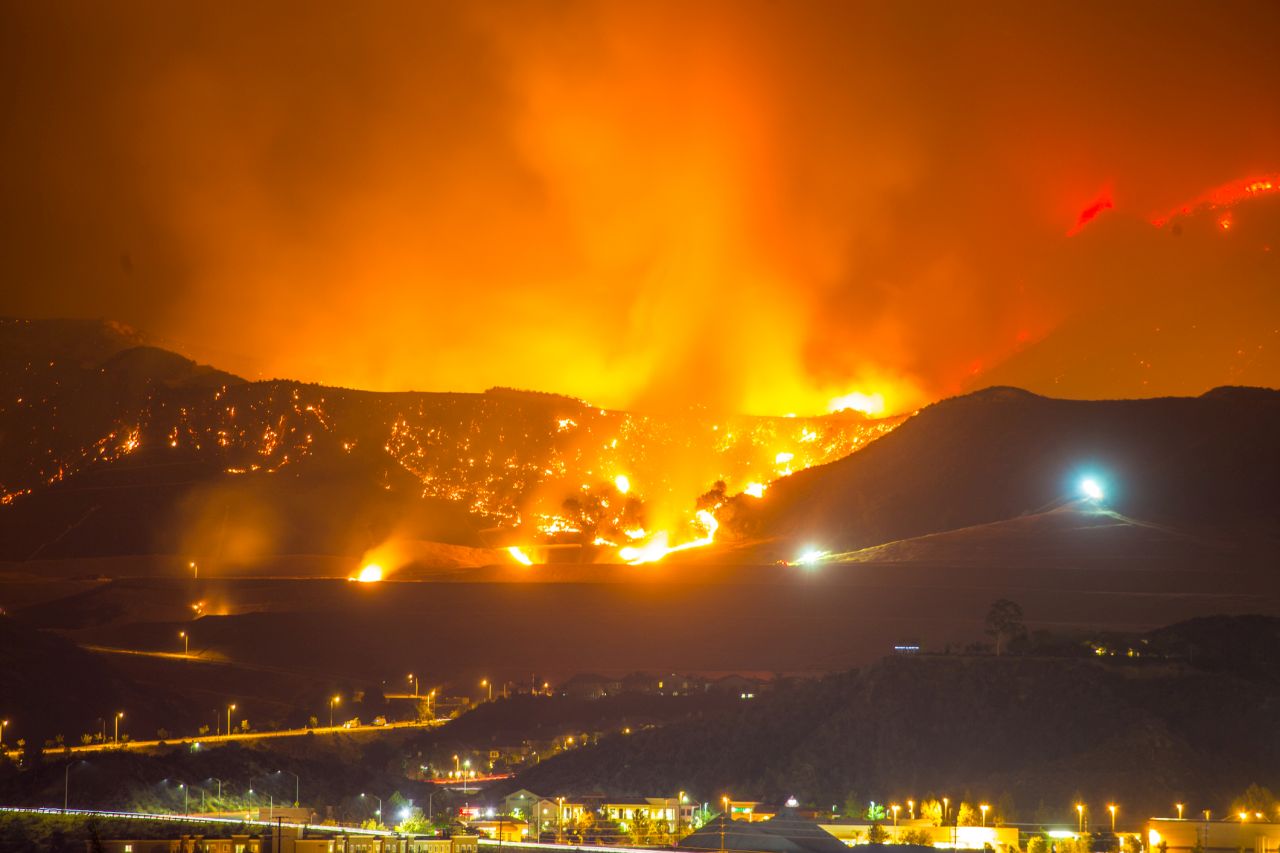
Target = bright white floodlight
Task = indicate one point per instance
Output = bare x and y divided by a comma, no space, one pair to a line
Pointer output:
1091,489
810,558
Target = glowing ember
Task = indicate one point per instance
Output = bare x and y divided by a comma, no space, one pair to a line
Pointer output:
755,490
520,556
623,483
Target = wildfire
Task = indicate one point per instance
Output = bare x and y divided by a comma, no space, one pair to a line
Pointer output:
520,556
372,573
868,404
755,490
623,483
1225,195
657,548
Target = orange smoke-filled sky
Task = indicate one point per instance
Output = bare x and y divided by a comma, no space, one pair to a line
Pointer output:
751,205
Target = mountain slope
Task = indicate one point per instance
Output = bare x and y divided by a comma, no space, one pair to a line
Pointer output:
1034,730
1196,463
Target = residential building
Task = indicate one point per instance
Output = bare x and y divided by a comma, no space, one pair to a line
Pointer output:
1219,836
785,833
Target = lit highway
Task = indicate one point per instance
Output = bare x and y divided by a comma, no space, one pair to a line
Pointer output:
202,740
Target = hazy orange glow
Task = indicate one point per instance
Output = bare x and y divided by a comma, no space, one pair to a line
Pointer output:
519,555
742,205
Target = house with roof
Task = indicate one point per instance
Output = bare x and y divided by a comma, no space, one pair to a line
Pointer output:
787,832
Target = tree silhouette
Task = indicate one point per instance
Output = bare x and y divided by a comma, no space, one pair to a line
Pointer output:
1004,622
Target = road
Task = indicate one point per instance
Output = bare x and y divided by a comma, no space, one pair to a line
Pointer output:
135,745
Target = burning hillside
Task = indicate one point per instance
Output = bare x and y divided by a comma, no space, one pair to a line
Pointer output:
537,469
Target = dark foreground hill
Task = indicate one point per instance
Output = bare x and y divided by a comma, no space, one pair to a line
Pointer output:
1210,463
1036,733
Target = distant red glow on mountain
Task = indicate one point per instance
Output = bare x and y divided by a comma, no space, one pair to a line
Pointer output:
1102,202
1223,195
743,205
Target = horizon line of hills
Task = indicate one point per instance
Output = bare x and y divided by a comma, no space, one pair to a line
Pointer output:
114,449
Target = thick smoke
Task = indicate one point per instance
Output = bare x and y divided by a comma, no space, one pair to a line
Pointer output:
752,206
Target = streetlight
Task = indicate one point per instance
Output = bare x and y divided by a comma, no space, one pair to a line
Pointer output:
379,811
1179,807
186,647
119,714
894,808
414,679
230,708
219,781
467,768
1080,818
724,820
946,802
457,768
3,723
484,682
297,783
559,819
66,781
1111,807
183,786
911,809
334,701
983,808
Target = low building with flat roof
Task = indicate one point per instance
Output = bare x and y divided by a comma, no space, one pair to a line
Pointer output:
1214,836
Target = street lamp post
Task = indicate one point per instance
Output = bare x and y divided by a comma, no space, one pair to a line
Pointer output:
1080,818
230,708
297,785
946,803
457,768
894,808
983,808
119,714
334,701
66,784
183,786
911,809
1179,807
219,781
378,813
3,723
484,682
724,820
1111,807
413,678
559,819
186,647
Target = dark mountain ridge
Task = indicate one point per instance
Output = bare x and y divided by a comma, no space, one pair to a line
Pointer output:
1038,733
1204,463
